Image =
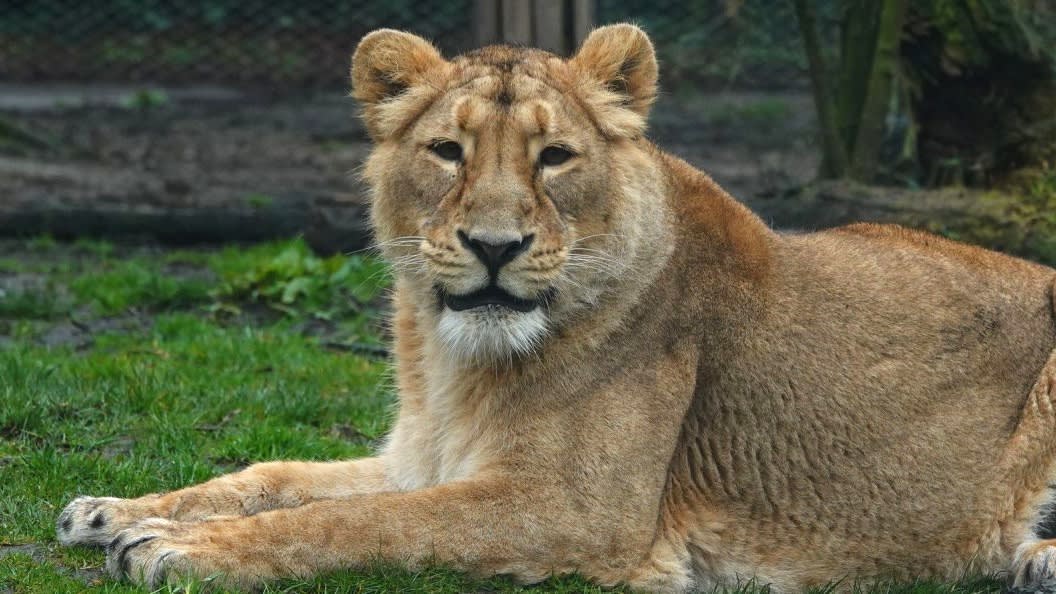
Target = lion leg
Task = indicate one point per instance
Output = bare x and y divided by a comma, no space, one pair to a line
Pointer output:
483,526
1034,565
261,487
1030,459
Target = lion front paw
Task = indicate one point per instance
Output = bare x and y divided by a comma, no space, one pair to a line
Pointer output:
147,552
1034,566
155,552
93,520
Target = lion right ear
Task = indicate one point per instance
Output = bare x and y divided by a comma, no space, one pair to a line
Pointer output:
388,63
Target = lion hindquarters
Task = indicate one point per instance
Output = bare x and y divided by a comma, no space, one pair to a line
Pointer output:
1030,461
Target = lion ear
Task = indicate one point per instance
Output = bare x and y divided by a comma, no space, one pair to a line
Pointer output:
386,64
622,59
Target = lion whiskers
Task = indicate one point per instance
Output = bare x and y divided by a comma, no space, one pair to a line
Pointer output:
596,261
396,242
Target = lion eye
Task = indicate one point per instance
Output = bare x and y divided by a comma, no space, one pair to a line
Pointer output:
554,155
448,150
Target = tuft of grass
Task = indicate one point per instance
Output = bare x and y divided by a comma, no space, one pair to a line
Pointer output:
289,278
123,284
96,247
146,99
31,305
258,201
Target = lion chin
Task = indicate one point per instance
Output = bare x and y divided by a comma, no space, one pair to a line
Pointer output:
491,333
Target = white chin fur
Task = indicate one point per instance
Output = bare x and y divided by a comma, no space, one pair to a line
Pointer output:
490,333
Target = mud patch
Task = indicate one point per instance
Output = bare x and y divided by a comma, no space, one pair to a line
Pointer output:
33,551
80,335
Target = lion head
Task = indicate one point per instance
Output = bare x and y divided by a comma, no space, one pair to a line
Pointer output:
512,190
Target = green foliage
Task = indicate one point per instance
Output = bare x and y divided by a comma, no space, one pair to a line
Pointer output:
1019,219
1039,211
976,33
296,282
145,99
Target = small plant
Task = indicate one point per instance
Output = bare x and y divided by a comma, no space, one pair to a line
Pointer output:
259,201
42,243
297,282
97,247
147,99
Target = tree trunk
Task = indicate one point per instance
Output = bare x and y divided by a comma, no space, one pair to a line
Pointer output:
834,160
858,30
881,79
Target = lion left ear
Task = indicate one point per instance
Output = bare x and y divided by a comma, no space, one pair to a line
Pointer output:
622,59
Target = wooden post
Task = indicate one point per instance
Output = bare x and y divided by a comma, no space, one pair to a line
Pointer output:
548,16
583,20
486,22
536,23
517,22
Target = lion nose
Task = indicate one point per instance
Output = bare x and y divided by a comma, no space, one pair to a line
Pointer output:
494,254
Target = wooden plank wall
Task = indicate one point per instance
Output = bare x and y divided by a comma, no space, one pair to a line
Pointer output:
555,25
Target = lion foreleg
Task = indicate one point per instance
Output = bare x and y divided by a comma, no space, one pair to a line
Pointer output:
487,527
261,487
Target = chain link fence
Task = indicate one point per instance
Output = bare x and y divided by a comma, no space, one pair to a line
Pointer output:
307,43
292,43
749,44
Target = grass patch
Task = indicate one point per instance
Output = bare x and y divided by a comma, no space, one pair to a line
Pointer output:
123,284
31,305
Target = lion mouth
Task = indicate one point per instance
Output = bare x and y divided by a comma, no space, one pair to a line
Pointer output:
492,295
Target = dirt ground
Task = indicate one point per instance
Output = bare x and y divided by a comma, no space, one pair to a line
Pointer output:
213,164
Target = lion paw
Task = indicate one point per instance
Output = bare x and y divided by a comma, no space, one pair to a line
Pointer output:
1034,565
91,521
158,551
147,552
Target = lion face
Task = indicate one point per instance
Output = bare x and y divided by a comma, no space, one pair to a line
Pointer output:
508,184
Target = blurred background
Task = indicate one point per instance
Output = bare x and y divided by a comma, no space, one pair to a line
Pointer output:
224,120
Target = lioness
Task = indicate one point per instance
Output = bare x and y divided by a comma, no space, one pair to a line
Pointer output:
607,365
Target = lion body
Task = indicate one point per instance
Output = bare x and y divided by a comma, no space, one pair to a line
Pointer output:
674,396
846,408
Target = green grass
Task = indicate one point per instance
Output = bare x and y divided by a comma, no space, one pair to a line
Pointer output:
199,391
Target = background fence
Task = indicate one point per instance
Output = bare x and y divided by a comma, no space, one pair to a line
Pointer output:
292,44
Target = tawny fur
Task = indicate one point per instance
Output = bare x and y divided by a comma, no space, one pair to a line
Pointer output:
707,402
